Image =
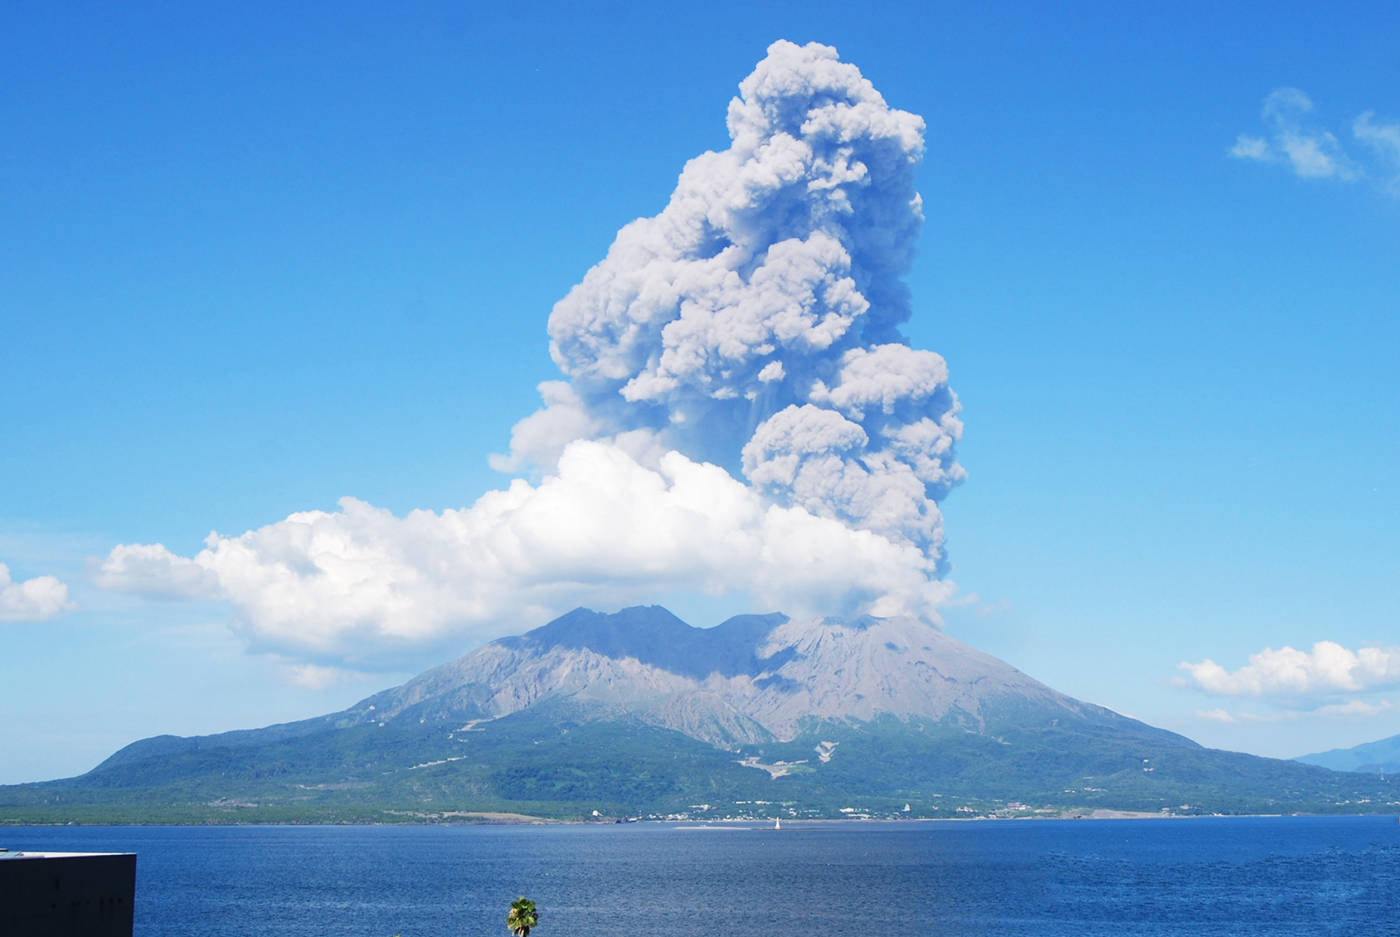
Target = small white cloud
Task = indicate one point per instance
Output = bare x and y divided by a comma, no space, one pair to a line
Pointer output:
1383,138
1287,672
1295,139
36,599
318,676
1357,708
1310,151
1354,709
1286,105
772,371
1316,156
1247,147
358,585
152,570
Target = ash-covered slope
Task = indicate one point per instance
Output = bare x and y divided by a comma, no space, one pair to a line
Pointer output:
754,678
637,713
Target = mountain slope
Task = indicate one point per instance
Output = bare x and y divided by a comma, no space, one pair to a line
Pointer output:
639,713
1372,757
751,679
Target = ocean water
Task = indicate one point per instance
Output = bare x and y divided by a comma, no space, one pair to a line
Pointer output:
1211,876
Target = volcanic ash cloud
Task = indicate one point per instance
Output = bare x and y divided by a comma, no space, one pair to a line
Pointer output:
741,415
754,323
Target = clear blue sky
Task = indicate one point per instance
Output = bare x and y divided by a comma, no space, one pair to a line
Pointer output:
257,258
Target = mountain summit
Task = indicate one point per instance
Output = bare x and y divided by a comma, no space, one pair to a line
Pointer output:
638,713
754,678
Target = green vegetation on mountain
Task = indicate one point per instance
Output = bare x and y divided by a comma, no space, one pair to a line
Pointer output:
544,764
899,721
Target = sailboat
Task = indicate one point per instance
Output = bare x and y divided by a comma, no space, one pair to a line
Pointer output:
777,823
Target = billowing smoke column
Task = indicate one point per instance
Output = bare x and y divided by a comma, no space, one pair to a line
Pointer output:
754,323
741,417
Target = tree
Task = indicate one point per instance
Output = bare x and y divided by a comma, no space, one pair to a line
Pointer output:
522,916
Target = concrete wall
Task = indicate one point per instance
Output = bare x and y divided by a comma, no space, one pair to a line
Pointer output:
67,894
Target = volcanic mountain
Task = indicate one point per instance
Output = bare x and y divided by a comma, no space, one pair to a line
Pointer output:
638,713
752,679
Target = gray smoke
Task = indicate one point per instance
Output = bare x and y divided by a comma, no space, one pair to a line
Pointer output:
741,416
755,322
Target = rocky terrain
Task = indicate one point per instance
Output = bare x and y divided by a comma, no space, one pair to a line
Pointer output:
637,713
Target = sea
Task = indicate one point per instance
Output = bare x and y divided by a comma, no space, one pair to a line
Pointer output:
1216,876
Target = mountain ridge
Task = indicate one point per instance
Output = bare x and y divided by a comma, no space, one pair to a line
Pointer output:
1375,757
637,713
767,671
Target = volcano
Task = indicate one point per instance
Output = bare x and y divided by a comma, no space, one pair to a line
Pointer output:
637,713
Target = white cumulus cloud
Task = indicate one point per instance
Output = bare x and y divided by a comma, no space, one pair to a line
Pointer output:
152,570
359,585
1328,669
36,599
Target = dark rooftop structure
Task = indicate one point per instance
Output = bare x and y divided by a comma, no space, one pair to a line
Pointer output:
66,894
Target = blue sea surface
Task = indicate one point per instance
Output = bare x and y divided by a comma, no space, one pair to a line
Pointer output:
1209,876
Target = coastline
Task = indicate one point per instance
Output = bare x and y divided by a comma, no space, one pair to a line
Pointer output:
505,819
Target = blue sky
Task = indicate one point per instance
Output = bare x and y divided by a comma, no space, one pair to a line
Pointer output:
257,260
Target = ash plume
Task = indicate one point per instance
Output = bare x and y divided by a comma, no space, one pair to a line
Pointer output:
740,416
755,322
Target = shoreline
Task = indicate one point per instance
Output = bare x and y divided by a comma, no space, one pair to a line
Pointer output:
502,819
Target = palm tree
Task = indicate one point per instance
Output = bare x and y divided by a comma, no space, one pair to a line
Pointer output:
522,916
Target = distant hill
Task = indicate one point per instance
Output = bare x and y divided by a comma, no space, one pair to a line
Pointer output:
1372,757
639,714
